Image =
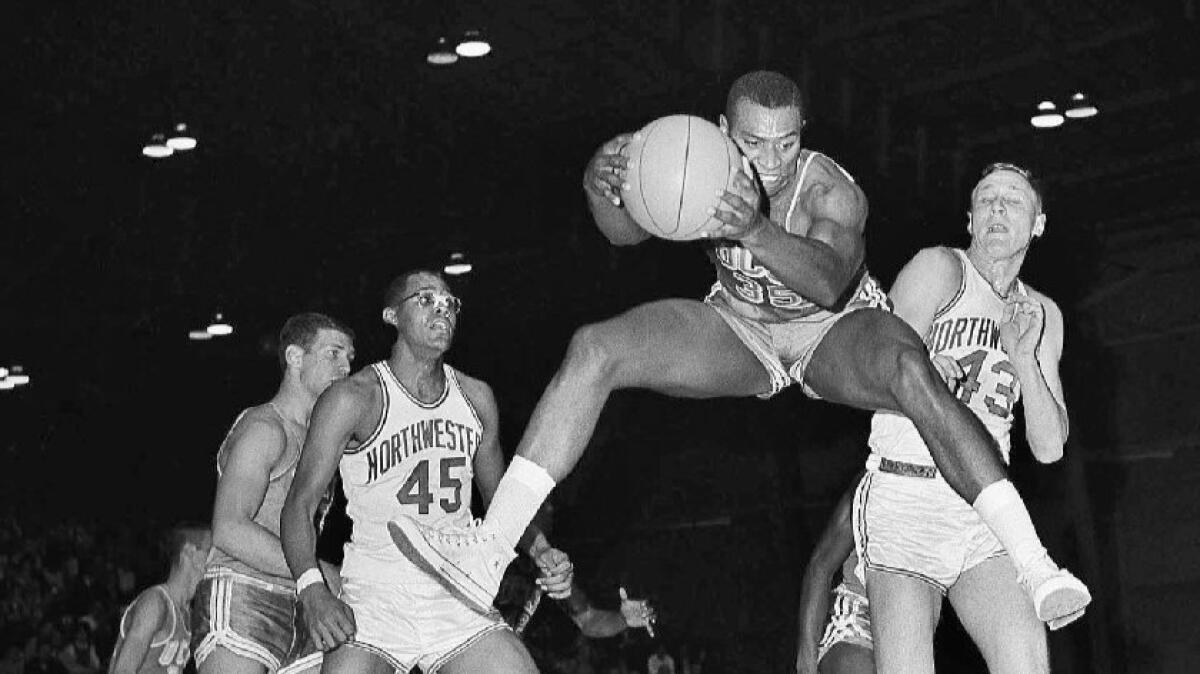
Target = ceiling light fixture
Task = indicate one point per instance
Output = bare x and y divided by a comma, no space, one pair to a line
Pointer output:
219,326
157,148
1081,107
458,265
473,45
441,54
181,140
1047,116
201,335
17,376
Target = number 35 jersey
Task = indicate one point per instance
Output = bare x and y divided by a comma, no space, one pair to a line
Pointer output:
968,330
417,462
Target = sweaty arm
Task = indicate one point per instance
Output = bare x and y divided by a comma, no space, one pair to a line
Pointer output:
821,264
1046,419
252,455
593,623
335,417
835,544
602,183
144,620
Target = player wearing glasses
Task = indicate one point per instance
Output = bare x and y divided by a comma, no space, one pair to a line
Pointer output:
408,435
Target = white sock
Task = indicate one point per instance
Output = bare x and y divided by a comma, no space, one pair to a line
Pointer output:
518,497
1001,508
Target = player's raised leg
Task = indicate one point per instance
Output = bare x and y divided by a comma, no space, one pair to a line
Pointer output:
677,347
873,360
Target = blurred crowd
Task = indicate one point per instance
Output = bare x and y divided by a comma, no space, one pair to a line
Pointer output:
63,585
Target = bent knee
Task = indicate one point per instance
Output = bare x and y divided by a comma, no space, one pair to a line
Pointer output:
592,353
913,372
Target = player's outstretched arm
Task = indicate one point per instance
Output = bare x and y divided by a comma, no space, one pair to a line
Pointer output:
145,618
832,548
331,427
603,182
1032,335
253,452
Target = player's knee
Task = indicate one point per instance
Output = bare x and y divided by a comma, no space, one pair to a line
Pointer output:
913,374
591,354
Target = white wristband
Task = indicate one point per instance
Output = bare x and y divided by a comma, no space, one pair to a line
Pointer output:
307,578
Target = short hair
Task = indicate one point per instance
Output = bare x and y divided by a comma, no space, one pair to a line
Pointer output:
395,289
766,88
180,535
302,330
1034,183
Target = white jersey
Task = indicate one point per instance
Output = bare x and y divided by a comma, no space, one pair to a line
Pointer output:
968,330
419,461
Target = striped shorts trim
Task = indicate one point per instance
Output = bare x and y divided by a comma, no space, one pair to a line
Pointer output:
252,618
849,622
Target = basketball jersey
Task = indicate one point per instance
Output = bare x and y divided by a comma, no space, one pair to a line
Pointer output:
267,516
755,292
968,330
418,461
169,653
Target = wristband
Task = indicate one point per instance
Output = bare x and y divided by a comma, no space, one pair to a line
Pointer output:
309,577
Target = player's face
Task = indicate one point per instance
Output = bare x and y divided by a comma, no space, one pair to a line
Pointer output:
327,360
1005,215
429,312
770,139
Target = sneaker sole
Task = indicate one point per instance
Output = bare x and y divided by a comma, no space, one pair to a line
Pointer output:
1059,623
1063,603
458,583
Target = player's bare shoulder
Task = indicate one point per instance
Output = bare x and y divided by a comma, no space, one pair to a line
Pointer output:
479,393
476,390
357,390
830,192
260,430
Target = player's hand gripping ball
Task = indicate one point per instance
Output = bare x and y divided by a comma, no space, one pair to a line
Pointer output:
676,167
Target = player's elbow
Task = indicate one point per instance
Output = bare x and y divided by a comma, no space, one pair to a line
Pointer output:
225,533
829,292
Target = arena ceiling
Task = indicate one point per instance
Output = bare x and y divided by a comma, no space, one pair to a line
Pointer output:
331,155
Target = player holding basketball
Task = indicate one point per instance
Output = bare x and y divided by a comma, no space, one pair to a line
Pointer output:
838,641
996,341
793,302
408,435
246,608
155,630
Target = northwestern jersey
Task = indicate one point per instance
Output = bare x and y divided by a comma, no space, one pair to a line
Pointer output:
419,461
169,650
968,330
281,477
755,292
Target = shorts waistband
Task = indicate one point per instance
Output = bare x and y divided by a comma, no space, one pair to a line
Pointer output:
887,465
219,572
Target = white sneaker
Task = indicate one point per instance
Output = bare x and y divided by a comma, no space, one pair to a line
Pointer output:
469,561
1059,598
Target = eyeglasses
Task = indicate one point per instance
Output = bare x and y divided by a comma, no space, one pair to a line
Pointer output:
433,298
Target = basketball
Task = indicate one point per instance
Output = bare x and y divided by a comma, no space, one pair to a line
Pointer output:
677,164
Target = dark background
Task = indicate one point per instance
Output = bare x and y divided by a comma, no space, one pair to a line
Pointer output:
332,157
